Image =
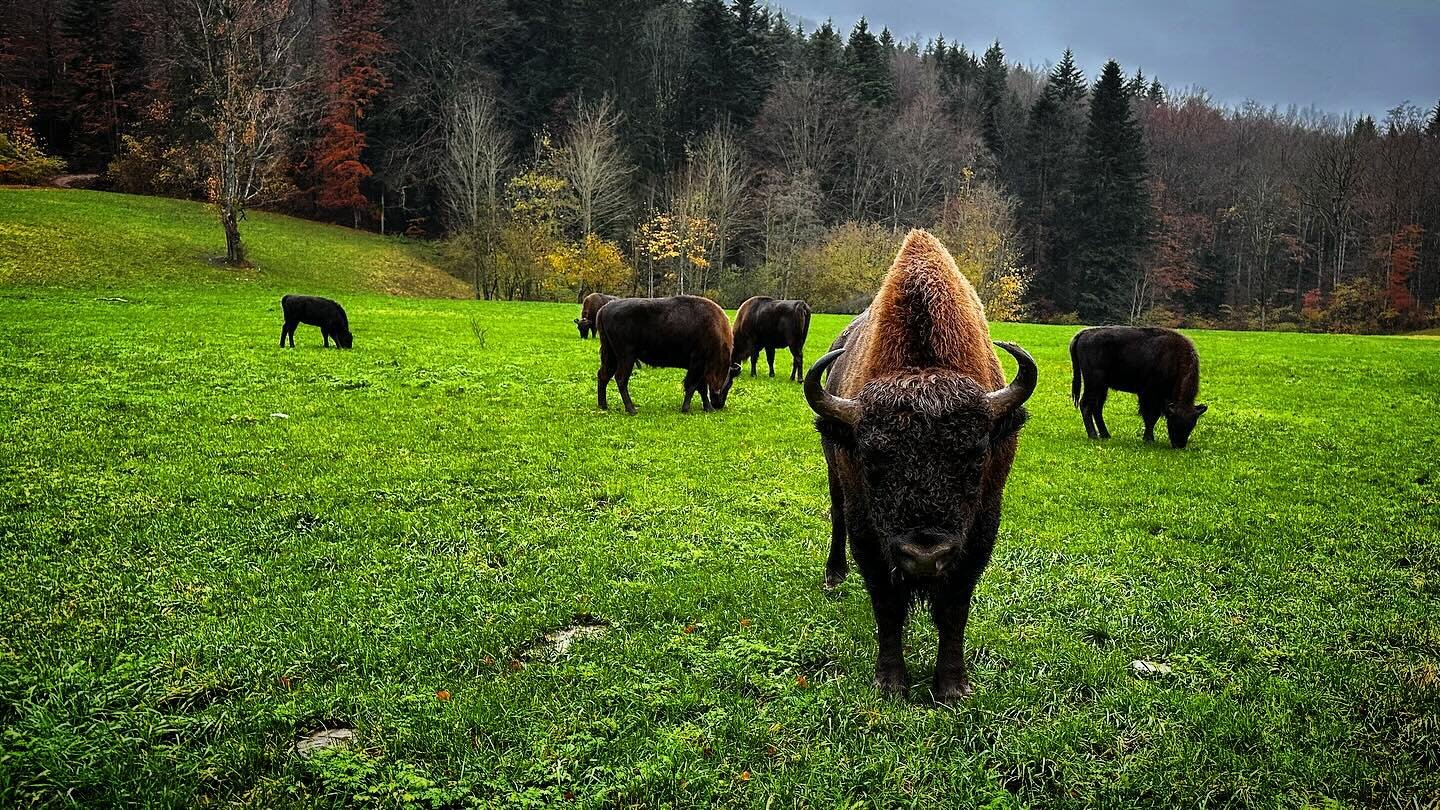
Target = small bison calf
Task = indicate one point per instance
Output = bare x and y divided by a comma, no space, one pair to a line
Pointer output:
315,311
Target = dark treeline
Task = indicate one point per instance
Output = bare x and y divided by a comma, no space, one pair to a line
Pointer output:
658,146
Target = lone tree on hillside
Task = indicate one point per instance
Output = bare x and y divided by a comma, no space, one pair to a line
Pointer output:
242,53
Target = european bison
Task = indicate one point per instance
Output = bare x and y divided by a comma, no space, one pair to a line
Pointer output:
764,323
315,311
1159,365
919,432
589,309
684,331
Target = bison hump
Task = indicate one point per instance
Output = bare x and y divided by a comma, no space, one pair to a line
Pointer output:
927,315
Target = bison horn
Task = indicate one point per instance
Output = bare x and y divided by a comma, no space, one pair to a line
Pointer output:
1014,395
825,403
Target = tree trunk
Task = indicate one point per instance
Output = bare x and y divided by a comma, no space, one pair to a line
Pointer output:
234,250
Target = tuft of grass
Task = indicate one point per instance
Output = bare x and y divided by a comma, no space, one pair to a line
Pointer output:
80,238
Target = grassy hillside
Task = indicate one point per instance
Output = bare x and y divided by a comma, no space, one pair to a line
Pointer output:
87,238
214,547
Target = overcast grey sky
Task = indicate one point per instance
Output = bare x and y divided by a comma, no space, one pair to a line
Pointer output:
1359,56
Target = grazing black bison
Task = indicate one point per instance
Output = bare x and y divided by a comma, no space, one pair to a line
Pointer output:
764,323
315,311
919,432
1158,365
684,331
589,309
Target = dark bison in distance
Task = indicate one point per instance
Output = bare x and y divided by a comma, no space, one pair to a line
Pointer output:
589,310
764,323
919,431
684,331
315,311
1158,365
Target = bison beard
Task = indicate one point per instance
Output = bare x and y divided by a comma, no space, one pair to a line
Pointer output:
919,432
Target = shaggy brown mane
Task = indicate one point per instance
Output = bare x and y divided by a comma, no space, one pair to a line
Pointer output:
926,315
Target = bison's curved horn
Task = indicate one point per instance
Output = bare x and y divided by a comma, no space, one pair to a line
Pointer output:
825,403
1014,395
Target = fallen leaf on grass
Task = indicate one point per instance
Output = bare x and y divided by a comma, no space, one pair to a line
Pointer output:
307,745
1144,668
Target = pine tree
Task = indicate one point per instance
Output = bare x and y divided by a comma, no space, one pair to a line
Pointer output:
712,93
1067,79
1156,93
756,62
868,67
887,42
1113,203
993,73
1135,88
1433,128
1054,146
825,52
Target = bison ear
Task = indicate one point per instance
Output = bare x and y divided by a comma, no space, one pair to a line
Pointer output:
577,321
734,370
835,432
1009,424
1199,409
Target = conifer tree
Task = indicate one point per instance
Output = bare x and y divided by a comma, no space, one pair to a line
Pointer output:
868,67
712,92
1054,145
825,52
992,88
1113,204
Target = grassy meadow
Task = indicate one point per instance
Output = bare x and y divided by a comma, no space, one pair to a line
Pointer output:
214,547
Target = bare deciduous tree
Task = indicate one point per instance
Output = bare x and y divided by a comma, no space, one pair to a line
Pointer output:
476,155
243,52
593,162
722,180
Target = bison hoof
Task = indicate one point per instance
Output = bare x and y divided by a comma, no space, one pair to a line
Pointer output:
953,692
835,576
631,409
892,684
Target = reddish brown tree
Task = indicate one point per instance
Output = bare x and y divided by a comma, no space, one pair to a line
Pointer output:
1404,256
353,77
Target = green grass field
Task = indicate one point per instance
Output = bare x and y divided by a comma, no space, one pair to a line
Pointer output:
213,546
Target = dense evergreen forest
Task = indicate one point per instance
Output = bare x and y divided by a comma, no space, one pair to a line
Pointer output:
659,146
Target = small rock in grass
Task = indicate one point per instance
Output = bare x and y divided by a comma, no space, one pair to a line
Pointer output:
307,745
279,415
1147,668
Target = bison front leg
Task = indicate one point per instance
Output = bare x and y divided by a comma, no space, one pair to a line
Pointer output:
951,611
836,568
891,609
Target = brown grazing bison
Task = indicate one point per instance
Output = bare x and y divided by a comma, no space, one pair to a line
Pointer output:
589,309
764,323
315,311
684,331
1158,365
919,432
